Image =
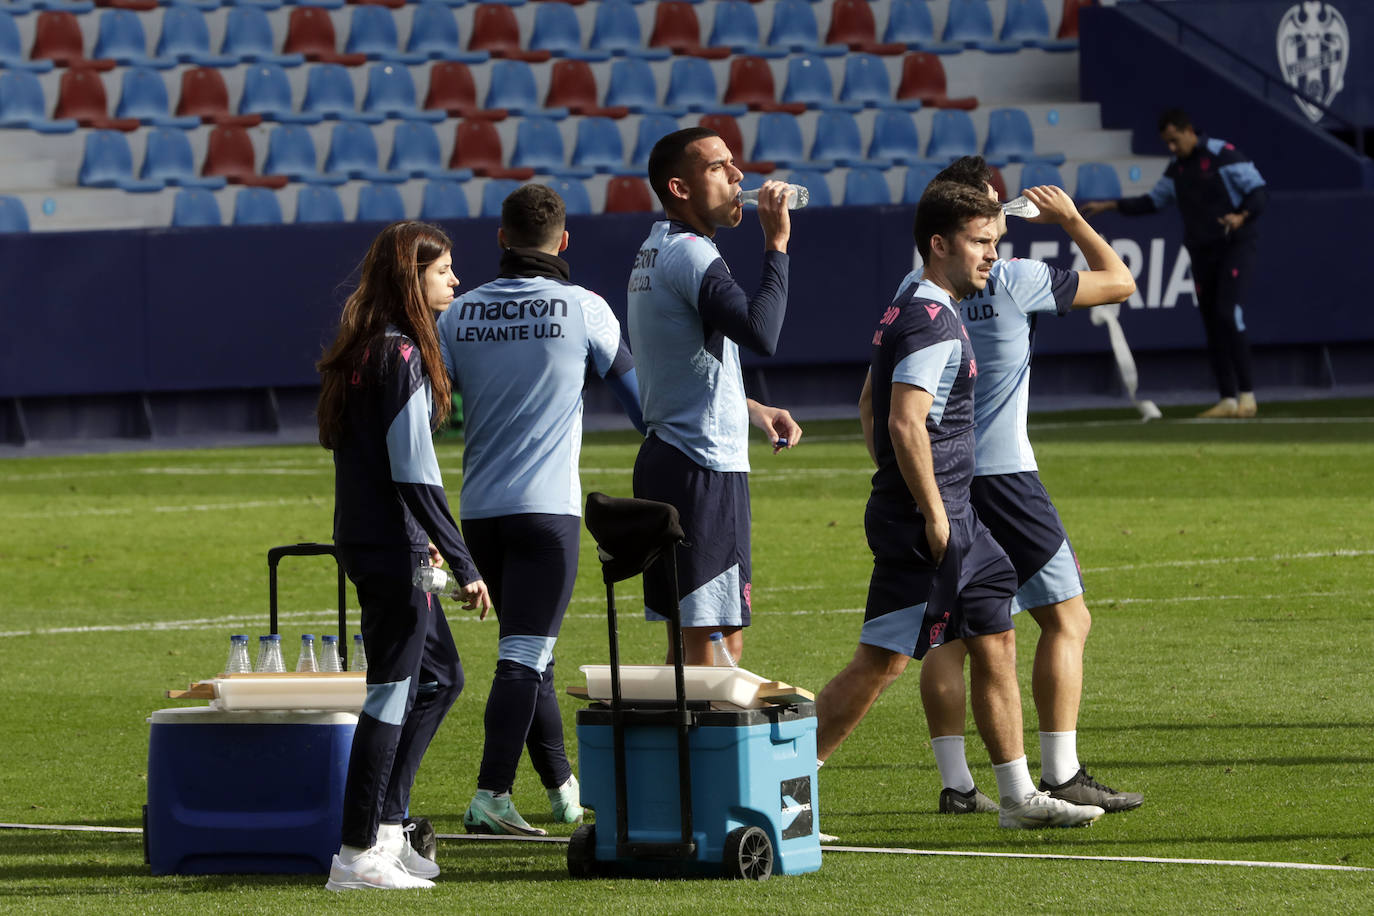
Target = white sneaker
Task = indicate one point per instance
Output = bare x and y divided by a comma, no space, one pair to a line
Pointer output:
411,860
1039,809
374,868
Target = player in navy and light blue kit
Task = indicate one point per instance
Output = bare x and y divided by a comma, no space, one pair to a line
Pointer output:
1220,195
688,319
1013,504
383,390
938,575
518,349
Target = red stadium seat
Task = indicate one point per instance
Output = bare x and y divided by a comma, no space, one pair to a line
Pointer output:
81,96
57,37
852,24
923,77
477,146
999,182
628,194
310,31
572,85
729,131
1068,25
751,83
140,6
676,27
204,95
391,4
495,31
229,153
452,89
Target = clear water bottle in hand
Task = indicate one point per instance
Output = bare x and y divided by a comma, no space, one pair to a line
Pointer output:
238,662
720,653
359,660
798,198
437,581
1021,206
269,654
307,661
329,654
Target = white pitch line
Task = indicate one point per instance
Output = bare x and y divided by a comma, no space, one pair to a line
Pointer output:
200,507
1218,561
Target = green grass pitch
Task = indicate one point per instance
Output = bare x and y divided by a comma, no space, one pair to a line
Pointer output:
1230,674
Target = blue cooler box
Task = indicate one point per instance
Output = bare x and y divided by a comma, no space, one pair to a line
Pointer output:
245,792
750,767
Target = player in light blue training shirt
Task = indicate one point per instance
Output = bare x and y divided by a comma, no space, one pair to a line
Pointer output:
518,349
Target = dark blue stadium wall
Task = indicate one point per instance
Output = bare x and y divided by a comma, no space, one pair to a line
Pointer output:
1132,61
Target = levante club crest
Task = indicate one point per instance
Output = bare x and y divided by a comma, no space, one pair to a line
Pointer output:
1314,49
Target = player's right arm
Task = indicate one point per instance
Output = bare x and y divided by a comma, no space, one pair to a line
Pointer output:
1108,279
1159,197
866,416
906,425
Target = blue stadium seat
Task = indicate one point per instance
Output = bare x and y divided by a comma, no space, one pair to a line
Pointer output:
1027,23
779,139
193,207
434,33
291,152
318,204
372,31
248,36
809,82
329,93
494,193
12,55
951,135
1011,139
391,93
380,203
186,38
815,183
513,88
353,152
444,200
22,104
736,26
168,159
107,162
1035,174
267,92
838,140
257,207
632,85
917,177
795,29
970,23
866,187
909,23
557,30
121,38
1097,181
539,146
692,85
599,145
651,128
616,30
143,95
866,82
415,152
576,200
895,137
13,216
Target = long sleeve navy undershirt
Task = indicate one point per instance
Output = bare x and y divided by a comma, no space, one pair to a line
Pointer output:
753,322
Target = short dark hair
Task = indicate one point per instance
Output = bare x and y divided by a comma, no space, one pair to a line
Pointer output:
1176,118
944,209
532,216
972,171
668,157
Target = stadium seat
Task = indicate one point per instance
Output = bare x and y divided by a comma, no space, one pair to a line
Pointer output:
572,85
415,152
291,152
628,194
866,82
692,85
317,204
267,92
616,30
728,128
257,207
951,135
1011,139
557,31
22,104
676,28
632,85
444,200
167,159
736,26
143,95
13,215
380,203
12,48
494,194
185,37
779,140
576,200
513,88
865,187
909,23
495,31
1027,23
229,152
917,177
838,140
329,94
204,95
599,146
434,33
57,38
809,82
815,183
310,31
794,29
372,32
248,36
648,131
477,146
453,91
107,162
121,38
1035,174
751,83
1068,22
539,146
1097,181
353,152
895,137
391,93
970,23
852,25
81,97
194,207
923,79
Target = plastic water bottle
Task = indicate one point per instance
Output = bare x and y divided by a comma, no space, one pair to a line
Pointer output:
329,654
799,197
238,662
437,581
720,653
269,654
1021,206
307,660
359,660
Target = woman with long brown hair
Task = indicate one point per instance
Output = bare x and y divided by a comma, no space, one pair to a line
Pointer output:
384,390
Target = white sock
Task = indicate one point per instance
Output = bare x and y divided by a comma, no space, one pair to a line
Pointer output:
1013,779
1058,757
348,853
390,836
949,757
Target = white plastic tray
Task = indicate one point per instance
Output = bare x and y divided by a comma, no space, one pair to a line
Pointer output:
656,682
343,692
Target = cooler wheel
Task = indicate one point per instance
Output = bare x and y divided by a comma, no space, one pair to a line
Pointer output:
748,854
582,852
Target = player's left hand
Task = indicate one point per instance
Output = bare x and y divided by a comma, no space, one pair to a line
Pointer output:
434,558
783,431
1056,206
476,597
1231,221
